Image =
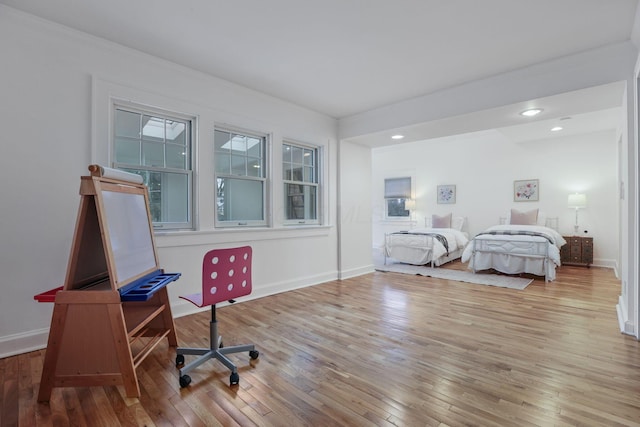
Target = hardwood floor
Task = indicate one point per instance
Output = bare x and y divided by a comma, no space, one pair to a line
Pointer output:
380,349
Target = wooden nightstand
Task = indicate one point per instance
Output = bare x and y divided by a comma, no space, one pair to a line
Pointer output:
578,250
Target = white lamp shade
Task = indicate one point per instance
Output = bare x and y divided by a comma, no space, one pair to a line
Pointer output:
577,200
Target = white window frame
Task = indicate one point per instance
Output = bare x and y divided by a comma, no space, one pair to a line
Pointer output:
265,166
315,183
188,172
397,191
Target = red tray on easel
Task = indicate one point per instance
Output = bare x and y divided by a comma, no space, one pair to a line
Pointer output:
49,296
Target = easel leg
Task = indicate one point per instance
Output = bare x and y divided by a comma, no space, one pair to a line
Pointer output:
52,352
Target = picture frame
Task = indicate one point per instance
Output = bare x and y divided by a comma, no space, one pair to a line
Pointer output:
526,190
446,194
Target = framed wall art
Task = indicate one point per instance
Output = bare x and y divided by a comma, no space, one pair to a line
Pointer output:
446,194
526,190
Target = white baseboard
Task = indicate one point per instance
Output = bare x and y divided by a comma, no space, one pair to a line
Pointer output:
606,263
23,343
625,325
355,272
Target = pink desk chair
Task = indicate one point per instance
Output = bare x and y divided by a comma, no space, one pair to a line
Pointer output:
226,274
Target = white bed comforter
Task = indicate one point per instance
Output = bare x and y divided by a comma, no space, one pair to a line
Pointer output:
512,254
414,247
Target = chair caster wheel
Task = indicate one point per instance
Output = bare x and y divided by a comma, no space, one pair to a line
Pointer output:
253,354
179,360
185,380
234,379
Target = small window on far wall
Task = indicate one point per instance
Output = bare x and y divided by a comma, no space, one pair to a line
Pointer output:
397,191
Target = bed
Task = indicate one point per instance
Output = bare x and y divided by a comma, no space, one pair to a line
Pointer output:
518,246
440,241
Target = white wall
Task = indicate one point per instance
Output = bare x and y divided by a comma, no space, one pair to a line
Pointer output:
483,166
355,255
55,84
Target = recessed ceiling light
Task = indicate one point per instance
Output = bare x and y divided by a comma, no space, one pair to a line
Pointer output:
531,112
556,128
397,137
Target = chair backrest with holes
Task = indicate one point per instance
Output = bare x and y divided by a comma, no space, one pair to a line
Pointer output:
226,274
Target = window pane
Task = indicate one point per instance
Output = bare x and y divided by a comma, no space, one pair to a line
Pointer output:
127,151
296,173
239,144
396,208
221,141
238,165
300,202
240,199
127,124
308,157
168,195
297,155
254,147
223,163
175,132
254,168
308,175
286,153
152,129
175,197
176,157
286,172
152,154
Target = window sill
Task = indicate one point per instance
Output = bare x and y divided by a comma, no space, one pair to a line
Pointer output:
232,235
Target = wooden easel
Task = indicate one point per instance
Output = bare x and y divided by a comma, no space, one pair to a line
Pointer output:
97,337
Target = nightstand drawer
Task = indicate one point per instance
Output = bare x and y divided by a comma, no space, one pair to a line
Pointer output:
574,241
578,250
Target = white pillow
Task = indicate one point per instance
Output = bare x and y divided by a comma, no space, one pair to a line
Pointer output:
457,222
523,218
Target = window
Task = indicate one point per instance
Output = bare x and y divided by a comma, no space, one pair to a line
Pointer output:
240,178
397,192
300,174
157,147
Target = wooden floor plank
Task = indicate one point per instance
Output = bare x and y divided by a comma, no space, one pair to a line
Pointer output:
9,410
380,349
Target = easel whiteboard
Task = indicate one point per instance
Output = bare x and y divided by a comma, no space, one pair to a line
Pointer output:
129,234
113,243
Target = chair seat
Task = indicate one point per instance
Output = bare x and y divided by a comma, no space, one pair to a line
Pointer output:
195,299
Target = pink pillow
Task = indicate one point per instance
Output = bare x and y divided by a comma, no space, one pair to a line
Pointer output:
441,221
524,218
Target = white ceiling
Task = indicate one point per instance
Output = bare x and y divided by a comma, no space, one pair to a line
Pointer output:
584,111
343,57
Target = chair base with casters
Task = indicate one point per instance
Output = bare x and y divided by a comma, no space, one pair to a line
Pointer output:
226,274
216,350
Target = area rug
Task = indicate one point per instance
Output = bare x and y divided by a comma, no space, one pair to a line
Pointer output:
458,275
